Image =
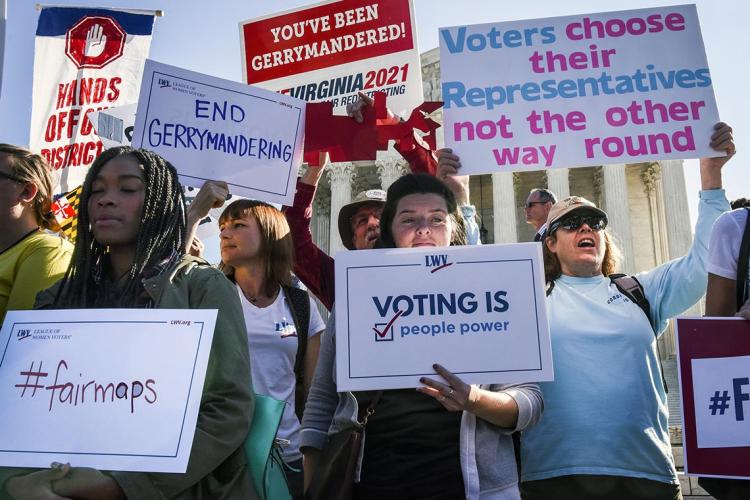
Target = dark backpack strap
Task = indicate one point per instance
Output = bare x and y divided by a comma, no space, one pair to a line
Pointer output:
633,290
516,436
299,304
743,262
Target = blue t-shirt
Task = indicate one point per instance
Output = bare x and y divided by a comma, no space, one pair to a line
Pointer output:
606,412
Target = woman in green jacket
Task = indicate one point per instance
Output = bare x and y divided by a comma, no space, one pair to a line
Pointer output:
130,253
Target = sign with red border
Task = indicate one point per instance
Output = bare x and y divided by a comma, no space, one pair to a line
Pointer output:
714,367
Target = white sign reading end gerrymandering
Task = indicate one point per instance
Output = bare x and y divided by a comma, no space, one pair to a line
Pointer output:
94,388
479,311
215,129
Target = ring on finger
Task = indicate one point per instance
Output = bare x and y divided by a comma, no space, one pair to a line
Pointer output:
450,393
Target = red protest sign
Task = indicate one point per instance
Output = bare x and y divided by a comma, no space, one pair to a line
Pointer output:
333,50
714,364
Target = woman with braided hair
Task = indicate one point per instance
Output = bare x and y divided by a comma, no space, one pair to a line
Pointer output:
30,258
130,253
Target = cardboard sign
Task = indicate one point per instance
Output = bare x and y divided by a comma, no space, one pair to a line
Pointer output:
114,126
714,361
332,50
85,60
594,89
479,311
214,129
94,388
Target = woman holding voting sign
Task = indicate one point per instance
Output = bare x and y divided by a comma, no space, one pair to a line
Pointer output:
283,324
129,253
447,439
30,258
604,433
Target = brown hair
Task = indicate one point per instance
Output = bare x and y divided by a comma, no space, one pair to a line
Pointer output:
276,247
419,184
29,167
610,262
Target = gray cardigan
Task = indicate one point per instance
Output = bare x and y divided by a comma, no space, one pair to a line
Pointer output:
487,459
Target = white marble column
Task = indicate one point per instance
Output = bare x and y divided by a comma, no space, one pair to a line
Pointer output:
390,169
557,182
340,176
618,211
676,207
652,186
504,207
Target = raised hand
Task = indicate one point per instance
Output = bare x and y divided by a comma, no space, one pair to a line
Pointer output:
95,41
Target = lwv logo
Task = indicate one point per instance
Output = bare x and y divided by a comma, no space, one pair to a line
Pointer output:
436,262
164,83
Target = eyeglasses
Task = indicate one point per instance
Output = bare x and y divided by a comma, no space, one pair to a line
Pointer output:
11,177
530,204
595,222
361,219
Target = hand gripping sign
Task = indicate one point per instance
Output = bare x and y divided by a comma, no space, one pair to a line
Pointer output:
479,311
91,387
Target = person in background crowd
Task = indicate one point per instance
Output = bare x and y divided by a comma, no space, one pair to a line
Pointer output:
257,255
30,258
740,203
537,207
129,252
449,440
728,294
605,434
359,221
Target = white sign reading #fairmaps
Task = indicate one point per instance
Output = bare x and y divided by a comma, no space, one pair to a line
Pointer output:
591,89
113,389
214,129
479,311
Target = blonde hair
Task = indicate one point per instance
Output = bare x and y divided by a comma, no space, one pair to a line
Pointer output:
29,167
610,262
276,249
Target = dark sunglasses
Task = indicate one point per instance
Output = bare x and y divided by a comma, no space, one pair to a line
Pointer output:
595,222
11,178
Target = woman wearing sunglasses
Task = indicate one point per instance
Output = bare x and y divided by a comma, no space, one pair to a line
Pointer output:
31,258
604,433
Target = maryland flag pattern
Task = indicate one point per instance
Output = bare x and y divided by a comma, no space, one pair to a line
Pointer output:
65,208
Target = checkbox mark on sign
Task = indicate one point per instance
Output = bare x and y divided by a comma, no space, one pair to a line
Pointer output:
386,334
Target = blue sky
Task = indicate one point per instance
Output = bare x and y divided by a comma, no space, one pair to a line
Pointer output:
204,39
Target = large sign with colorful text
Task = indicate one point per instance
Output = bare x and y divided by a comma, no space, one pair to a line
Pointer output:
595,89
215,129
714,362
332,50
479,311
85,60
93,387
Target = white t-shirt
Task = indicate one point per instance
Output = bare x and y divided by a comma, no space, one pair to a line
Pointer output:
272,339
724,248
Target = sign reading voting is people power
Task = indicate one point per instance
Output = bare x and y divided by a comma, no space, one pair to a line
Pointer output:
103,388
214,129
593,89
479,311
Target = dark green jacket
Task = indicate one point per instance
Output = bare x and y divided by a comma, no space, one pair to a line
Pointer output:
217,468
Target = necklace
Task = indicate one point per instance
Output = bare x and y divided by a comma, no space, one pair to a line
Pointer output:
248,297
